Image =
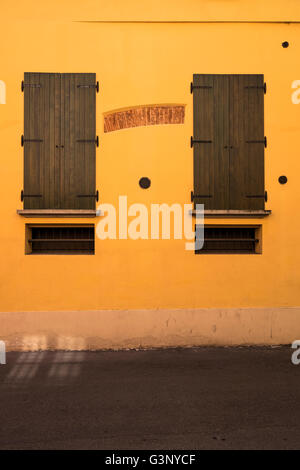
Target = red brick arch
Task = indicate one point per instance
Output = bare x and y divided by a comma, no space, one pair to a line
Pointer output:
144,115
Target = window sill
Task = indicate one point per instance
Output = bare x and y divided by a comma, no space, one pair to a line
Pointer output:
58,213
258,214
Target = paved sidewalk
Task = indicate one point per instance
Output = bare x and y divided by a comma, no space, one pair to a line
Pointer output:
200,398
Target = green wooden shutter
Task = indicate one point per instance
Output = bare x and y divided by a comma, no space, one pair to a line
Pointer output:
229,141
40,124
211,135
59,141
247,141
78,129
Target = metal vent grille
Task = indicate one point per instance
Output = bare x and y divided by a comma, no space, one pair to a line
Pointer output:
235,239
78,239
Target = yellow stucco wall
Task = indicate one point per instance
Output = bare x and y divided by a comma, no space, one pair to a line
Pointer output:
150,58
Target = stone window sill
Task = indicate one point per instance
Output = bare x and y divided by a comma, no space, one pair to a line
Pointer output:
258,214
58,213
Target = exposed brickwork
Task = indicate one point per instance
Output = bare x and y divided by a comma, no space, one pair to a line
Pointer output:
144,116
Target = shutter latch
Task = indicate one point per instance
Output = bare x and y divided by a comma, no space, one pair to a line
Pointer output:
257,142
198,86
29,140
90,86
262,196
196,141
95,141
30,85
29,195
96,196
193,196
264,87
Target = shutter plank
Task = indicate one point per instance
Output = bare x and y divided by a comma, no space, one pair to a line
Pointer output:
35,125
221,140
57,150
27,155
211,122
33,129
71,183
33,147
45,81
203,99
238,154
63,194
85,129
83,202
246,125
254,123
79,149
52,141
41,133
68,130
90,152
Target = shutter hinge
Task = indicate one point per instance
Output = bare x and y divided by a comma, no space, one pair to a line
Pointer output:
29,195
30,85
95,141
193,196
192,86
257,141
90,86
29,140
263,87
195,141
96,196
262,196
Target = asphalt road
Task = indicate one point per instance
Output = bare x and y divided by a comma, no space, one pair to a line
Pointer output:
200,398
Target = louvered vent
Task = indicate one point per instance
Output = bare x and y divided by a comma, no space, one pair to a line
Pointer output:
60,239
231,239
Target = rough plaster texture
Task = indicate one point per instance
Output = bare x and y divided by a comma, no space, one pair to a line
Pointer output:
121,329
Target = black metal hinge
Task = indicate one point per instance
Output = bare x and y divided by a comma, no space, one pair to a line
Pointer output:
198,86
257,142
94,141
29,195
29,140
264,87
263,196
90,86
30,85
96,196
195,141
38,85
193,196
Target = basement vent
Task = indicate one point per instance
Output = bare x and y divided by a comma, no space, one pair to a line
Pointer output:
60,239
231,239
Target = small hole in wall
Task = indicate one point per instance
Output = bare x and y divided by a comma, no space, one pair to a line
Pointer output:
282,179
145,183
285,44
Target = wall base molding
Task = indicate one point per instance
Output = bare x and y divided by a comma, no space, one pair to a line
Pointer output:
130,329
122,329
